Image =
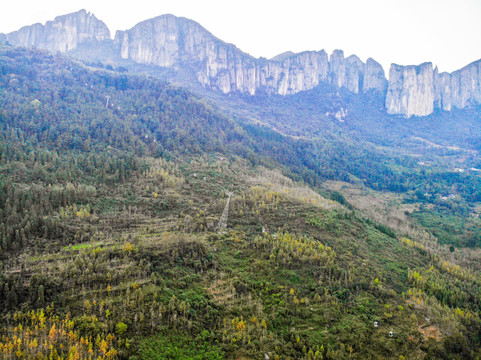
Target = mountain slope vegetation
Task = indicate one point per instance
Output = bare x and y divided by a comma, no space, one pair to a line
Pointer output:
112,189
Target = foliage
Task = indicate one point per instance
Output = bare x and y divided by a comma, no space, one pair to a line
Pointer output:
107,227
39,335
178,347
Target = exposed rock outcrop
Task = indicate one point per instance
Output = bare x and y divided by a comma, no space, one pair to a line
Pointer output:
171,42
411,90
374,78
418,90
64,33
460,88
174,42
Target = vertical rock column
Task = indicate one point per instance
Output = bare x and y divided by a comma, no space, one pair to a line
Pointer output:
411,90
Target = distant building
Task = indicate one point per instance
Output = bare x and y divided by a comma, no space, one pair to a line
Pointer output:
448,197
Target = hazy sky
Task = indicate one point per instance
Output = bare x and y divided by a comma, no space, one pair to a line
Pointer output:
445,32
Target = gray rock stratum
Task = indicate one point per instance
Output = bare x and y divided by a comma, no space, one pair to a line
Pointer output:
180,43
170,41
460,88
64,33
411,90
418,90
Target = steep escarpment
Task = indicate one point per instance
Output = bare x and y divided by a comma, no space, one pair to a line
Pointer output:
374,78
173,42
460,88
411,90
62,34
170,41
179,43
418,90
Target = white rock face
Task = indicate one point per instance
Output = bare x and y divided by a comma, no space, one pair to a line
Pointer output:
170,42
411,90
293,74
418,90
348,73
64,33
337,68
374,78
466,85
442,91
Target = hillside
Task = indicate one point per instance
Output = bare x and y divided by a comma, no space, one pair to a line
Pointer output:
113,186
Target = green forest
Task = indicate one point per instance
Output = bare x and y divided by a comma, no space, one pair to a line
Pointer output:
112,186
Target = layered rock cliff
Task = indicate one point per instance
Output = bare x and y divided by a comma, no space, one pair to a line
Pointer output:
460,88
174,42
64,33
418,90
411,90
170,41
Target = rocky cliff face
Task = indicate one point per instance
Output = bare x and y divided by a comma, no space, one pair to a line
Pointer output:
62,34
374,78
418,90
411,90
171,42
460,88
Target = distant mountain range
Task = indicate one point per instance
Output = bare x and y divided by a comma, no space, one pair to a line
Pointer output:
179,43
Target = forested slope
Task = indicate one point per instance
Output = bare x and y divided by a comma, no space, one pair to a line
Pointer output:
112,186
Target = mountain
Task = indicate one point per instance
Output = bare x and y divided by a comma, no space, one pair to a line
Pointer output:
62,34
173,42
418,90
169,41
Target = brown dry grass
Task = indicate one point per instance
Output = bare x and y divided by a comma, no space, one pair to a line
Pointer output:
388,208
430,332
275,181
384,207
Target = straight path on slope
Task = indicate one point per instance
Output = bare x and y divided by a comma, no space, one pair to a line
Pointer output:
222,226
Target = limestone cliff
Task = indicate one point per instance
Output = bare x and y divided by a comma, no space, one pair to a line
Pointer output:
170,41
348,73
180,43
64,33
460,88
374,78
418,90
411,90
174,42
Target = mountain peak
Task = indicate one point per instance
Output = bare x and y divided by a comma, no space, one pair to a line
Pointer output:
81,12
283,56
419,89
62,34
178,42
